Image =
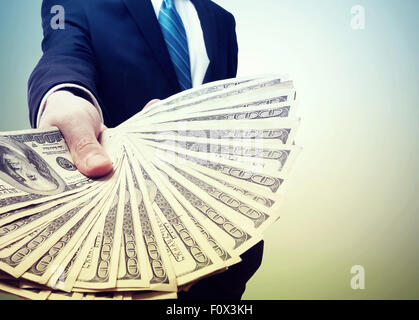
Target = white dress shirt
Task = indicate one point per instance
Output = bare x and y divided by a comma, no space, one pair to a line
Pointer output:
197,51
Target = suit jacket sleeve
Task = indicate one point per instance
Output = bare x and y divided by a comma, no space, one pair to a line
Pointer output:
67,54
233,57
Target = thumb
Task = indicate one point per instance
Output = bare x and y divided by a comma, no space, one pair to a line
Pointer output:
88,155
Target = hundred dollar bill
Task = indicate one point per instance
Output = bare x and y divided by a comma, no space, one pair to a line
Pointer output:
245,91
188,259
228,257
223,227
190,253
86,257
14,215
267,202
259,159
36,166
206,89
66,273
269,112
100,269
282,131
284,93
163,277
253,153
250,212
127,295
190,94
249,215
254,179
261,106
23,258
18,229
42,270
154,295
281,106
8,249
252,143
134,269
103,296
58,295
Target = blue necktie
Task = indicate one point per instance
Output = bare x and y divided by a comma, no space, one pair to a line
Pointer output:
175,36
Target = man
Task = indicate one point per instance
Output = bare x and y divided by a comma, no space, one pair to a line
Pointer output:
114,56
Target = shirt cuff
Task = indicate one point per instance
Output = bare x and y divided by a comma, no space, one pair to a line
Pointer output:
64,86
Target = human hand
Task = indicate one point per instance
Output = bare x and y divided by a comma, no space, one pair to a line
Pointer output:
151,102
81,125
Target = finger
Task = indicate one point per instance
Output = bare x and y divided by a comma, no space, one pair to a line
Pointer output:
102,128
187,287
151,102
88,155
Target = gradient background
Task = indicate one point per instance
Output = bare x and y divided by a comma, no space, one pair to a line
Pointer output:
352,198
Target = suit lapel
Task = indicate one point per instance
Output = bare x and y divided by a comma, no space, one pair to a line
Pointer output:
209,28
144,16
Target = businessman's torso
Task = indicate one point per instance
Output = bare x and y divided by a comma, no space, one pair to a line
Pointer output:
131,58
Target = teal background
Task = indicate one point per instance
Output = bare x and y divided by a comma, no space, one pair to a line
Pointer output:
352,197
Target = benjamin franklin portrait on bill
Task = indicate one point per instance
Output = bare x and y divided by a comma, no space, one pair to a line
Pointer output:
25,170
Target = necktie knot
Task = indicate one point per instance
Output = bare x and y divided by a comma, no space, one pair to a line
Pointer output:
169,3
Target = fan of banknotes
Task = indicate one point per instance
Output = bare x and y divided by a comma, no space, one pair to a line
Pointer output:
197,179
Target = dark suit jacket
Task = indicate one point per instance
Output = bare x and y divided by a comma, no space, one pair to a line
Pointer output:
115,49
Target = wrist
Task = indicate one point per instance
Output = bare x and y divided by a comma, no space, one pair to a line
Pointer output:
63,107
58,96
